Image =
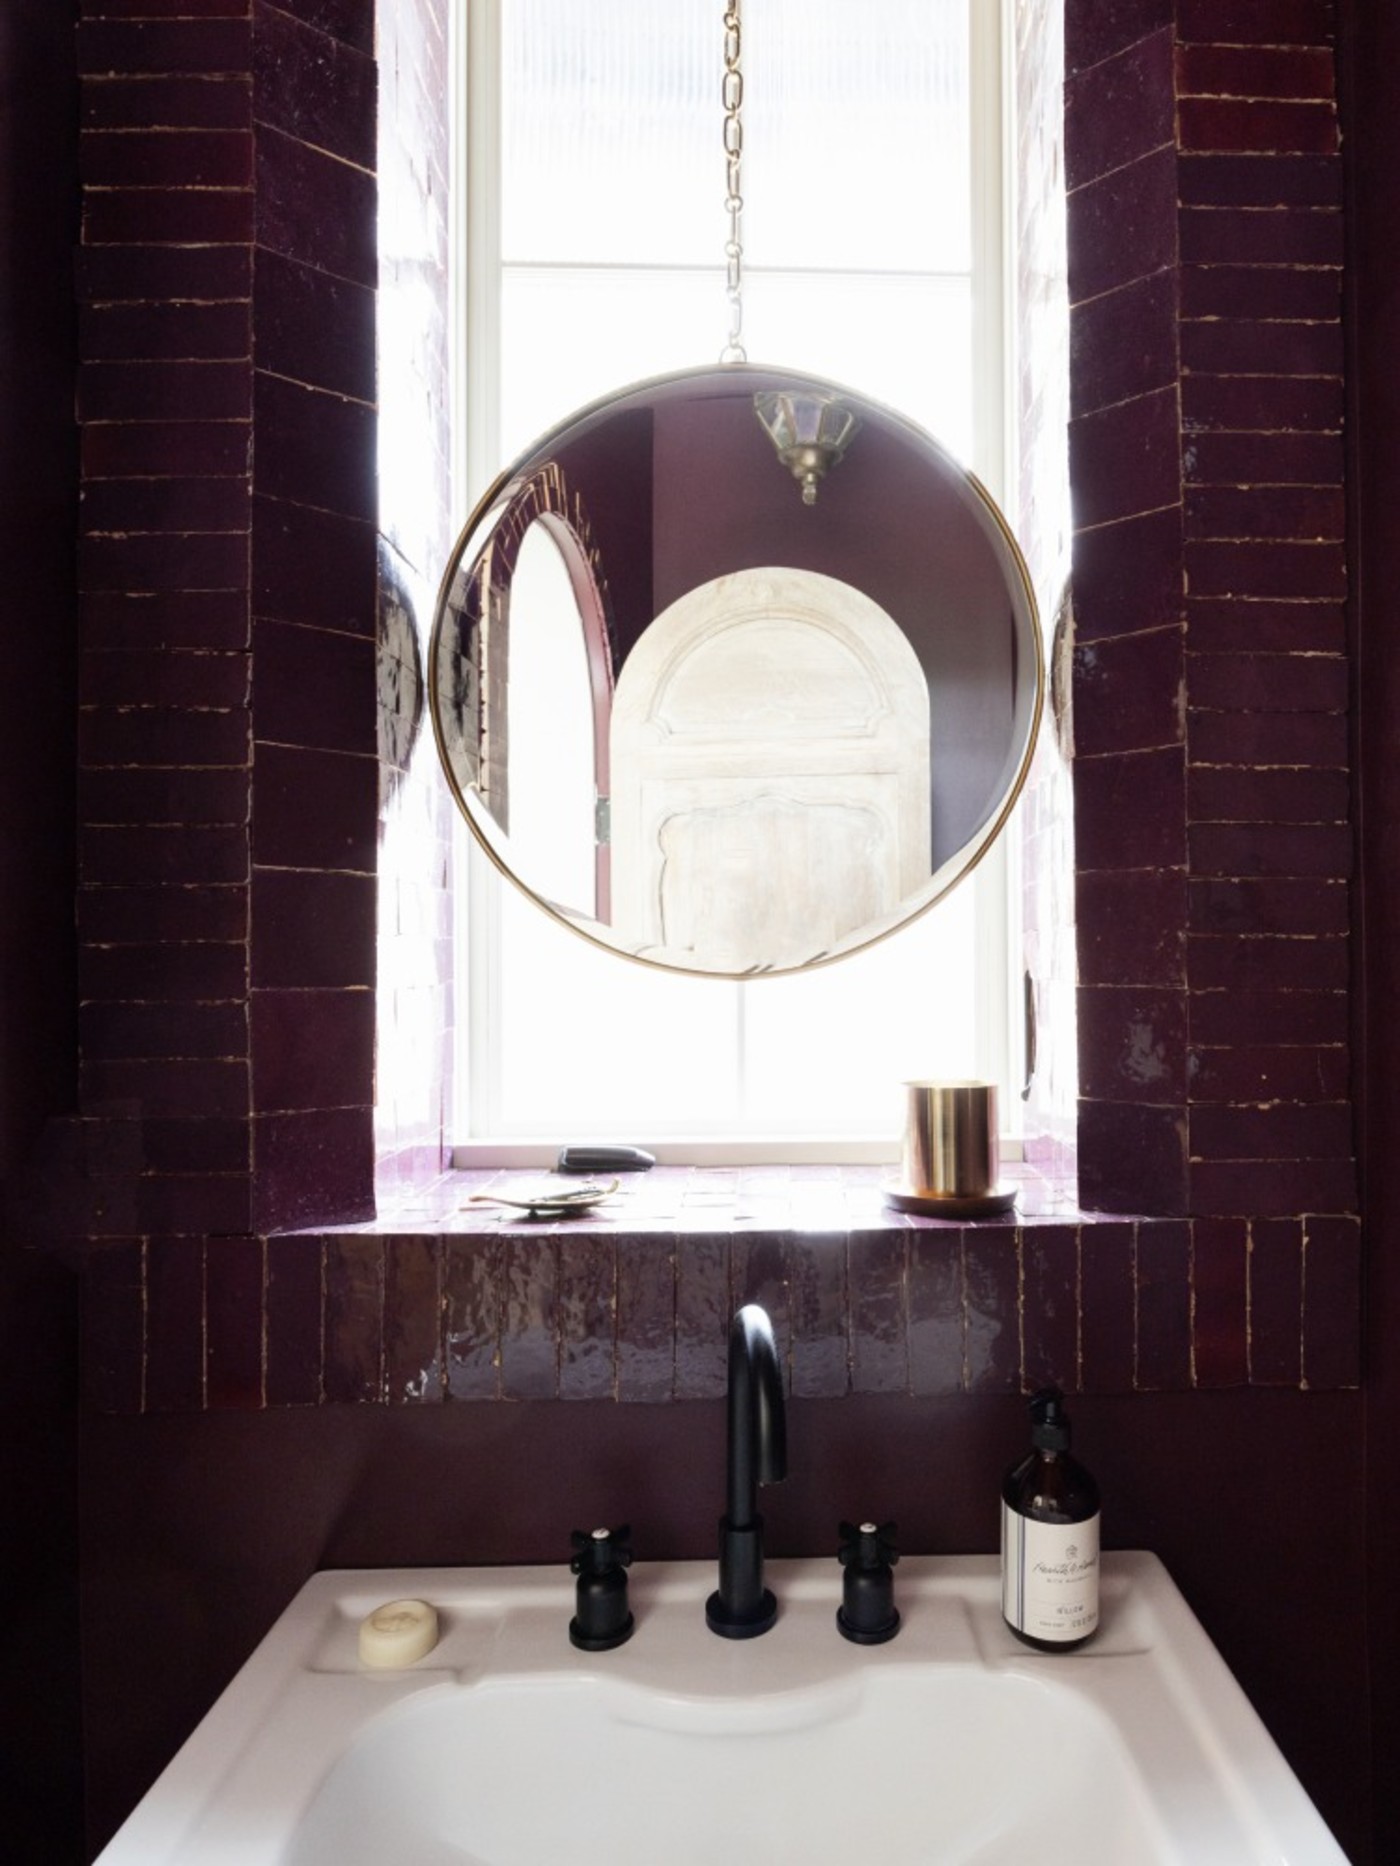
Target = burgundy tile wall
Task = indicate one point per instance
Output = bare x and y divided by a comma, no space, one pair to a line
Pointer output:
1129,802
312,952
1210,682
633,1304
228,762
164,403
263,913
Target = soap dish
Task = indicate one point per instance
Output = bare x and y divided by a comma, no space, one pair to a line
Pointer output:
1000,1199
549,1202
398,1634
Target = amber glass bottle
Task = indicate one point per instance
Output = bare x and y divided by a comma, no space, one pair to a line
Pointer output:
1050,1537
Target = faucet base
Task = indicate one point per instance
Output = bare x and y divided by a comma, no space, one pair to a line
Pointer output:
867,1635
730,1623
600,1642
741,1607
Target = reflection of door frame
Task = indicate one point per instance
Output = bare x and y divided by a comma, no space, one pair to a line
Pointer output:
589,601
547,499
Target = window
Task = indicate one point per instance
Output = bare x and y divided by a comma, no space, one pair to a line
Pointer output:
592,258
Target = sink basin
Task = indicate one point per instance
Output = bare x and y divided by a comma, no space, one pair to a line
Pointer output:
952,1744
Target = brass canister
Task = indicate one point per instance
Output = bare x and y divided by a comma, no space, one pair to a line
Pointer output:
950,1140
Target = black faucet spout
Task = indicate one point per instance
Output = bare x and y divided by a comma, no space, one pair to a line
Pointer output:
742,1607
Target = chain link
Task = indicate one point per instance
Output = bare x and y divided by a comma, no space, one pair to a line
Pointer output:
733,95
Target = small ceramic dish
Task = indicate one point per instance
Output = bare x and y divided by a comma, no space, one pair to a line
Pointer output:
549,1201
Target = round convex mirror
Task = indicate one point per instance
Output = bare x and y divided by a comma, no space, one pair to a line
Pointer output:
736,671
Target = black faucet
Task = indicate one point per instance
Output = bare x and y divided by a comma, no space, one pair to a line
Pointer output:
742,1607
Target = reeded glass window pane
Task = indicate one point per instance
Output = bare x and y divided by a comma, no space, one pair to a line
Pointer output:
570,336
591,1044
856,133
611,133
825,1052
855,121
903,341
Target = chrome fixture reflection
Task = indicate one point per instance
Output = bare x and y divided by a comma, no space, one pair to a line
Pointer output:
810,432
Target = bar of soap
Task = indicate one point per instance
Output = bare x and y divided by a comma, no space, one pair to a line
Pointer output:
398,1633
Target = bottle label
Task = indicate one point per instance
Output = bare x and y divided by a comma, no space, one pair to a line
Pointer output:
1049,1576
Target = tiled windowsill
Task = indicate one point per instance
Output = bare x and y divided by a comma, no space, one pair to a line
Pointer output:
441,1300
678,1199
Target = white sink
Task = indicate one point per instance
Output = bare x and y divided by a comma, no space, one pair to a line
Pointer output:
951,1745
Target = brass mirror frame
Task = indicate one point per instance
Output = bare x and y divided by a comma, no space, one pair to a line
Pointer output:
941,881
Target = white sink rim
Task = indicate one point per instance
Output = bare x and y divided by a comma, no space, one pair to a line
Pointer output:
244,1788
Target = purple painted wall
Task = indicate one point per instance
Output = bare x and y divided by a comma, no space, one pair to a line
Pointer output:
201,1529
40,1770
1371,45
250,821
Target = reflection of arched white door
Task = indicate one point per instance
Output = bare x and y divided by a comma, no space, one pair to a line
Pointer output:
770,772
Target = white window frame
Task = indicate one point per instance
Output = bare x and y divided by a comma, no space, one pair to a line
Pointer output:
475,54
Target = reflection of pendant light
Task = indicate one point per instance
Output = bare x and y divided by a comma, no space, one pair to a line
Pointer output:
809,429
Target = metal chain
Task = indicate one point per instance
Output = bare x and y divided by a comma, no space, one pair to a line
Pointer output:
733,94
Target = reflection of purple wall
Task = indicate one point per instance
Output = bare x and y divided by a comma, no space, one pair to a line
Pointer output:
681,485
40,1778
609,467
724,502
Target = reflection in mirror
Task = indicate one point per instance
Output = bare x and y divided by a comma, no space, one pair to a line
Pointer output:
770,752
552,774
716,727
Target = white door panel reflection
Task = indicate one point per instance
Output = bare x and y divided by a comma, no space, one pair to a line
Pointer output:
550,730
770,772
